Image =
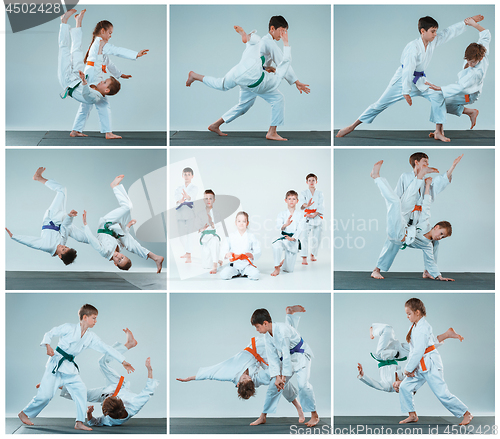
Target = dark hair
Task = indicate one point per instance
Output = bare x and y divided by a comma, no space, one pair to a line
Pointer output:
104,24
246,389
260,316
311,175
69,256
415,305
114,87
188,170
278,21
113,407
209,191
417,156
87,310
475,52
444,225
127,266
426,23
290,193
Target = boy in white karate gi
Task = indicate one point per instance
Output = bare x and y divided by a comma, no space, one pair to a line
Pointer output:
408,81
209,240
184,200
470,79
290,223
242,249
272,54
101,36
420,235
56,225
418,161
425,365
283,340
249,369
113,235
70,65
249,73
61,368
311,202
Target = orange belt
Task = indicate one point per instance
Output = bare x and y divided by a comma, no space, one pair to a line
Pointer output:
309,211
103,67
253,351
422,363
241,257
467,98
417,208
119,386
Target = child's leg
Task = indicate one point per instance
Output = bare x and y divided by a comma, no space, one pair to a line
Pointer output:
406,391
183,226
57,209
112,377
78,392
278,248
246,100
305,243
252,272
411,196
228,272
76,50
64,68
386,337
290,258
306,393
81,117
386,258
450,333
277,101
390,96
315,240
104,113
48,387
122,213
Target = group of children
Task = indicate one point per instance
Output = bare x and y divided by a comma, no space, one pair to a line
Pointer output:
113,233
119,404
299,227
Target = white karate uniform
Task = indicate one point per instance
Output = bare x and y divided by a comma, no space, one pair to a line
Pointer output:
210,244
106,244
415,58
240,244
71,342
70,61
421,338
291,248
103,107
312,226
272,53
185,215
284,338
390,249
470,81
50,239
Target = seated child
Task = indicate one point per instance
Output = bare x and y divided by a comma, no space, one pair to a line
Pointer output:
209,240
241,248
290,223
184,200
311,202
61,368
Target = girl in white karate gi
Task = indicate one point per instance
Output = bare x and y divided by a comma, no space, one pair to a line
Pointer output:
424,365
242,249
184,200
102,31
311,203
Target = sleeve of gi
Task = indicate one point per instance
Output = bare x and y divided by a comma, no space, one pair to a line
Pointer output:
98,345
57,331
419,337
450,32
142,398
378,385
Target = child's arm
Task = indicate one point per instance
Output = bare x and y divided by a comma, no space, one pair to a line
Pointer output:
378,385
138,402
110,49
92,240
419,340
58,331
97,422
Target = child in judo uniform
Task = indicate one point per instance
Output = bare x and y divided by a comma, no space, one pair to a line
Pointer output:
407,181
311,202
119,404
113,232
61,368
185,196
288,355
272,54
56,225
390,352
242,249
209,240
102,32
425,365
290,223
249,369
470,79
408,81
249,73
70,65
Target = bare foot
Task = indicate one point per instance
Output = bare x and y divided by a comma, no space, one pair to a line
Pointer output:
439,136
213,271
260,420
276,271
376,274
215,129
110,136
79,18
274,136
452,334
131,341
376,169
38,174
467,418
186,255
190,79
304,260
371,333
77,134
81,426
117,180
302,417
64,19
313,258
188,259
131,223
411,418
345,131
427,275
244,38
295,308
314,420
22,416
473,118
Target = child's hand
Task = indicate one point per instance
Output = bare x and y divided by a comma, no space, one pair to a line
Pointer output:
204,228
302,87
185,195
90,410
50,351
478,18
128,367
408,99
289,238
432,86
289,221
360,370
125,76
9,232
284,36
310,203
73,213
131,223
228,255
270,69
249,255
82,77
428,181
469,21
148,363
142,53
457,161
84,217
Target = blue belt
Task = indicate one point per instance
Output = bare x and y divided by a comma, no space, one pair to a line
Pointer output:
185,203
51,226
297,349
417,75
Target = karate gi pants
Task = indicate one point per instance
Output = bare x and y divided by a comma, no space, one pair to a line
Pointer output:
70,59
103,110
185,228
435,378
314,234
455,105
210,250
228,272
393,94
306,392
273,396
291,249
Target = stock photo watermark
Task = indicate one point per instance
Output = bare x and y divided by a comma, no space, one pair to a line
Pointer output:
349,232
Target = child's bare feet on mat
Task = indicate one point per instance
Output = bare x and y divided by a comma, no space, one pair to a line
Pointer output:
467,418
314,420
38,174
304,260
24,419
450,333
81,426
77,134
117,180
110,136
260,420
64,19
412,418
313,258
295,308
215,129
427,275
274,136
438,136
376,274
244,38
276,271
376,169
187,256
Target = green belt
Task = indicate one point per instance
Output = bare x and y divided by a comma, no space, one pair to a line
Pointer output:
70,90
287,234
382,363
109,232
208,232
406,245
255,84
65,356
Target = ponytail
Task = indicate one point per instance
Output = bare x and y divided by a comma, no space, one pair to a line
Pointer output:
104,24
